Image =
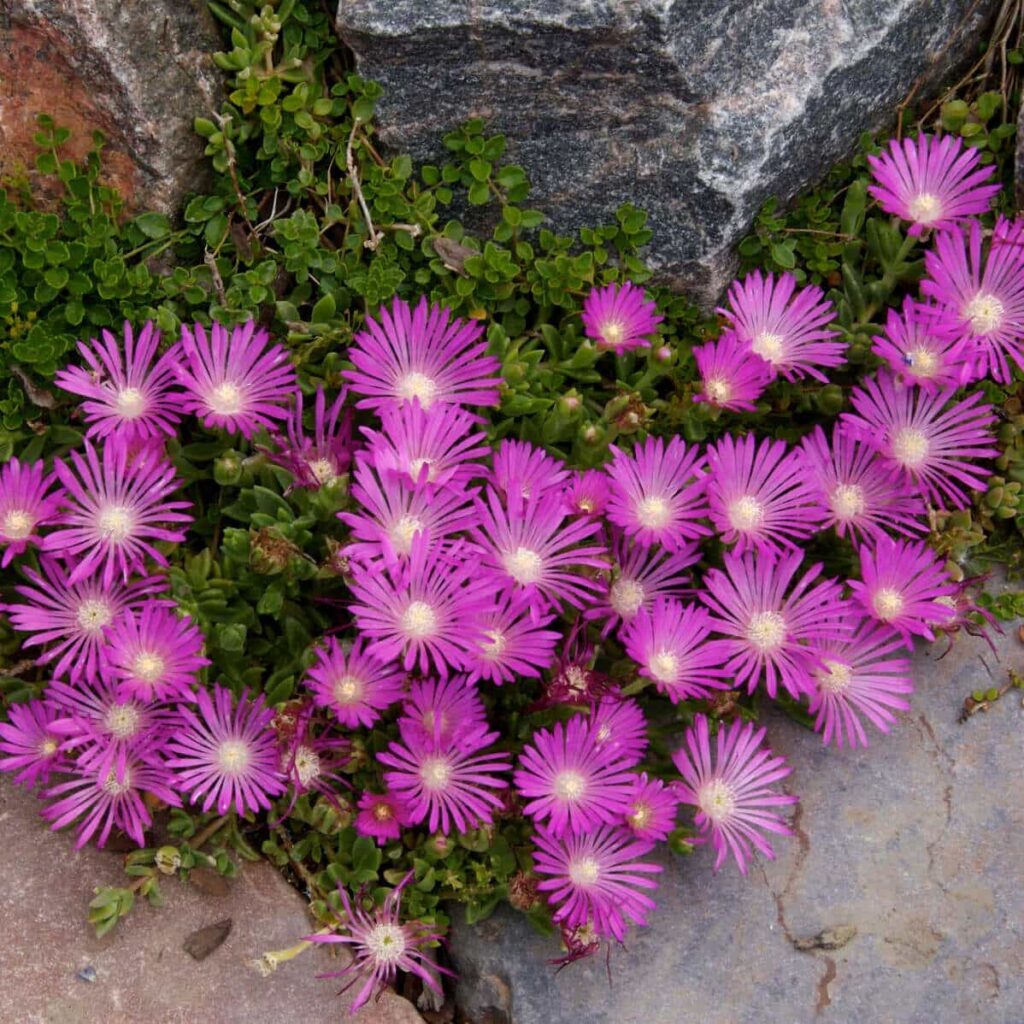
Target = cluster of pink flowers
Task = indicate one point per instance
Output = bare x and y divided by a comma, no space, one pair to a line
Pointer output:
470,565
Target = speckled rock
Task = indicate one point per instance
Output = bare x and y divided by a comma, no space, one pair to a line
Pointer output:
694,111
899,901
138,72
142,974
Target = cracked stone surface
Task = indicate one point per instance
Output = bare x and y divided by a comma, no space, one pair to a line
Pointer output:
694,111
143,976
907,861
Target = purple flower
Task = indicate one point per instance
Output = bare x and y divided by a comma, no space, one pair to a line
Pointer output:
931,181
354,686
31,746
652,809
768,631
509,641
318,460
784,325
588,494
382,816
597,878
117,508
127,394
619,727
421,355
658,493
620,318
921,350
732,789
572,782
24,505
523,471
732,376
443,711
234,381
226,756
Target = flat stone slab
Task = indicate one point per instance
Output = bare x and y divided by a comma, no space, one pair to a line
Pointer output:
908,861
142,973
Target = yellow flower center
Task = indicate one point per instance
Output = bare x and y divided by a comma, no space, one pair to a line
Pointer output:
130,404
523,565
584,871
718,389
416,467
769,346
419,620
48,747
613,333
910,447
18,524
664,666
115,788
640,816
985,313
382,812
834,676
888,603
925,208
848,501
626,597
322,470
746,514
923,362
347,689
716,799
226,399
148,666
766,630
418,386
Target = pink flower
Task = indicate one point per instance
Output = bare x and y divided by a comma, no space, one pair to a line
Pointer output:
652,809
25,505
354,686
732,376
510,642
29,744
588,494
523,471
619,727
382,816
620,318
731,788
443,711
920,349
318,460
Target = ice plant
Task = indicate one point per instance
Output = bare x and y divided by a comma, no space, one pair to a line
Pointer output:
421,355
382,816
760,495
523,471
862,676
732,788
927,438
921,351
235,380
27,502
28,743
569,781
116,511
784,325
597,878
618,727
652,808
226,756
355,687
443,711
658,493
620,317
588,493
732,376
129,388
902,584
381,945
318,460
510,642
771,633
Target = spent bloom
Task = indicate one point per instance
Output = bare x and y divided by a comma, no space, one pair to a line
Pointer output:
26,503
732,376
353,685
784,325
931,181
920,351
732,788
28,743
233,380
620,317
318,460
129,390
421,355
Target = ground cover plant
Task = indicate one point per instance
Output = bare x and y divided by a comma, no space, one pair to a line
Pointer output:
438,566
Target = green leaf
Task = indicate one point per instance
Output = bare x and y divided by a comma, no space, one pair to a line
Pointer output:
479,193
153,225
324,310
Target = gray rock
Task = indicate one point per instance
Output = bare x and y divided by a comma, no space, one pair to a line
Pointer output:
900,900
694,111
138,72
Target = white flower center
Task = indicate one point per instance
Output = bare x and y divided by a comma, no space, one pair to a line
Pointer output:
130,404
577,679
910,447
925,208
18,524
584,871
888,603
653,513
923,362
570,786
416,467
613,332
985,312
322,470
307,765
835,676
402,533
93,614
226,399
626,597
523,565
347,689
640,816
418,386
435,773
122,720
494,645
115,788
386,942
769,346
766,630
746,514
233,757
148,666
718,389
664,666
48,746
419,620
115,523
848,501
716,799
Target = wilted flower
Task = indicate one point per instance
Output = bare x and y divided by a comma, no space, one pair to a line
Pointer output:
318,460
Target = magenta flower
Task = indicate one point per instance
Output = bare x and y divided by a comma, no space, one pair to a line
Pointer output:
233,380
105,801
443,711
156,656
860,493
761,495
415,612
981,297
382,816
227,756
597,878
861,676
24,505
522,471
313,764
931,181
510,641
620,317
354,686
318,460
903,586
784,325
652,809
571,781
929,444
769,632
380,946
919,350
670,644
129,392
732,788
446,782
658,493
422,355
732,376
530,548
588,494
72,617
28,743
619,728
117,509
427,447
